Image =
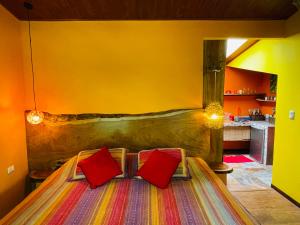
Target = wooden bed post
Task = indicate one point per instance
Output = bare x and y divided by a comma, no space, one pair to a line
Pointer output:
214,58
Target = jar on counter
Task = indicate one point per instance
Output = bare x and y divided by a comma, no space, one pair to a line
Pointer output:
236,119
267,117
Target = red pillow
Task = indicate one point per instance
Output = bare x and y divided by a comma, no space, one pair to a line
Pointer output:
159,168
100,168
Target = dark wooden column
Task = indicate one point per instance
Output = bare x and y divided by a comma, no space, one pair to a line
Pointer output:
214,58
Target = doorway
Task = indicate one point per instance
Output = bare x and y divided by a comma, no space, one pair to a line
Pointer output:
249,127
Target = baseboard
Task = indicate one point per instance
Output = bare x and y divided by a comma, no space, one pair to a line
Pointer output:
285,195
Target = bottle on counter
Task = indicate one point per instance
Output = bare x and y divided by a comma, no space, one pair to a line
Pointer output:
239,111
267,117
273,112
236,119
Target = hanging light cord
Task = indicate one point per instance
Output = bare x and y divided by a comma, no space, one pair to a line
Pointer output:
215,85
215,90
31,58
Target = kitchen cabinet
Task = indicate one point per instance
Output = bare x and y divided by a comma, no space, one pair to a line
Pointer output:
236,138
262,144
254,136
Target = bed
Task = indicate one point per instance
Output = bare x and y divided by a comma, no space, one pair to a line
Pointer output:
203,199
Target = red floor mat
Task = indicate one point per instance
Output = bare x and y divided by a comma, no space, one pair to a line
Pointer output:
236,159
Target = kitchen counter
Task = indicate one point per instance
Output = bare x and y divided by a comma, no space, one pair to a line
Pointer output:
255,124
259,133
261,124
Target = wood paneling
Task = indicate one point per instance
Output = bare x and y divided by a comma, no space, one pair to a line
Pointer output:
213,58
153,9
213,90
62,136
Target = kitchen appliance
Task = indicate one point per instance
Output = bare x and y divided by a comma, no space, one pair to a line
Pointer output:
257,141
262,144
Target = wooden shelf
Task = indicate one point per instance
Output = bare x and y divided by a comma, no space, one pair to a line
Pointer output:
263,100
255,94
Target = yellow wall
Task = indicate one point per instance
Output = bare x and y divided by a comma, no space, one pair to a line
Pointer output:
125,66
12,130
281,57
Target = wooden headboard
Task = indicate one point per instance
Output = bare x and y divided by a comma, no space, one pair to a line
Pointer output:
62,136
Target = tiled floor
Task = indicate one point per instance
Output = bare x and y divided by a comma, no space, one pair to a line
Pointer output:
250,183
249,176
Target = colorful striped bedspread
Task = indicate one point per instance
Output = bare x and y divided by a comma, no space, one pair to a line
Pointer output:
201,200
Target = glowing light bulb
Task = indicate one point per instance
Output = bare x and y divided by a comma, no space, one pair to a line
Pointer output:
214,116
35,117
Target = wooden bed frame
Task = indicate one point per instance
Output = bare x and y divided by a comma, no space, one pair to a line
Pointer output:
60,137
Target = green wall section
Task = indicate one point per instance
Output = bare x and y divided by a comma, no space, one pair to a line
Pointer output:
282,57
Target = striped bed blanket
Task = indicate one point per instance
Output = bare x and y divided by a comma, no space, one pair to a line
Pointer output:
203,199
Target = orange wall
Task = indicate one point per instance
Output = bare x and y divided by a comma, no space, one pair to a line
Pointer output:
238,79
12,130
